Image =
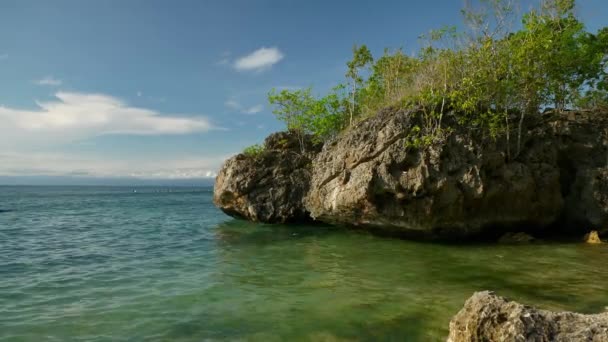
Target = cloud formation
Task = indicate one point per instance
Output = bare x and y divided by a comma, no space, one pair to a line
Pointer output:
235,105
74,116
58,164
259,60
3,56
253,110
48,81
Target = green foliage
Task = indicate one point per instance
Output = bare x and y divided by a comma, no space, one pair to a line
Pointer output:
254,151
304,114
388,82
362,57
415,138
486,78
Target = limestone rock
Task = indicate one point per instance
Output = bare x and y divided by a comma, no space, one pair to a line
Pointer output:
269,187
461,185
592,238
487,317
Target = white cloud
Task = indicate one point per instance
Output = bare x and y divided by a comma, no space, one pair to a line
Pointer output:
235,105
253,110
57,164
259,60
48,81
139,93
74,116
25,135
178,173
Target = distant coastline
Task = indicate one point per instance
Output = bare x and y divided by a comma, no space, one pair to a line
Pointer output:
99,181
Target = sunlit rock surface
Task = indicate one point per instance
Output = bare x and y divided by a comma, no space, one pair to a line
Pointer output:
463,185
488,317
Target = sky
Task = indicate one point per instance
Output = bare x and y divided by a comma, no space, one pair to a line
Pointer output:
114,90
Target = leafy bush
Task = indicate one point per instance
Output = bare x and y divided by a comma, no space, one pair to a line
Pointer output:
480,77
253,151
304,114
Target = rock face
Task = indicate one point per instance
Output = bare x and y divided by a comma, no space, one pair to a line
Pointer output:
268,187
465,185
487,317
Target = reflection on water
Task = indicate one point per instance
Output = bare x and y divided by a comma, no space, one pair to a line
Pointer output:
112,265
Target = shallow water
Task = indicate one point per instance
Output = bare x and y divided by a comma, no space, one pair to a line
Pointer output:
159,264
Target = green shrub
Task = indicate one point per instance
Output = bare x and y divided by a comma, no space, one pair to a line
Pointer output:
253,151
305,114
479,77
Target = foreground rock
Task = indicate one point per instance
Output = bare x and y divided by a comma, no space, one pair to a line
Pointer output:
269,187
487,317
463,185
592,238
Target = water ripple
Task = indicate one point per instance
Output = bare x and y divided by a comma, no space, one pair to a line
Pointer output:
107,264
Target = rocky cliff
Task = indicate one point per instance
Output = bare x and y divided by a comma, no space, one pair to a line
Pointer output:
270,186
487,317
461,186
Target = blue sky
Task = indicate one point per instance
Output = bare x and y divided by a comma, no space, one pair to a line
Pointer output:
169,89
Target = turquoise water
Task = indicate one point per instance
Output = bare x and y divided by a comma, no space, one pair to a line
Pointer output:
160,264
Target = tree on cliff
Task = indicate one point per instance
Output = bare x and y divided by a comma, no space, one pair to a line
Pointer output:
487,78
304,114
361,58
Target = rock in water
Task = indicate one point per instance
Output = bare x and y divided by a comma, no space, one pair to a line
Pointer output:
372,177
269,187
592,238
515,238
460,186
487,317
464,184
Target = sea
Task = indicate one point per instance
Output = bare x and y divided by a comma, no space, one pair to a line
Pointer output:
164,264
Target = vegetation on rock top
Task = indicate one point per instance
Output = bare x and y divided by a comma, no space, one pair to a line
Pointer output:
487,78
253,150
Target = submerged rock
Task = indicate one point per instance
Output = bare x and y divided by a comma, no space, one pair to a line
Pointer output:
515,238
592,238
268,187
487,317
